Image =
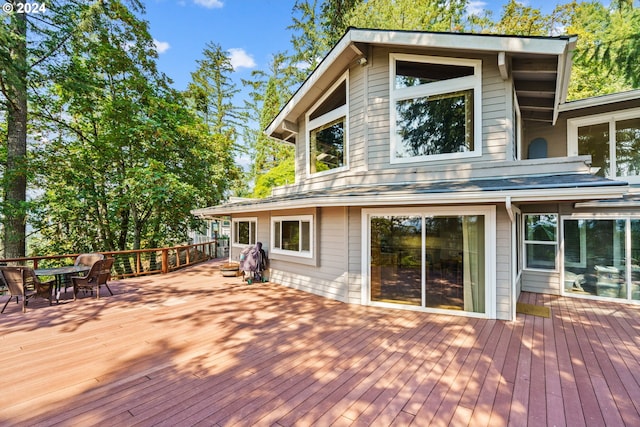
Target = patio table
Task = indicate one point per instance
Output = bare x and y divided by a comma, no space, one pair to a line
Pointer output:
61,274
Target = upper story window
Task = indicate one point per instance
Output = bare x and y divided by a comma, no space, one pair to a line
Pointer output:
612,140
435,108
327,131
244,231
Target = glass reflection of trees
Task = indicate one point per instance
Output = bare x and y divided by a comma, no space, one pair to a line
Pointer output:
435,125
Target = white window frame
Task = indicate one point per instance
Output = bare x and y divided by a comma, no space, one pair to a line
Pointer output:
611,119
300,218
436,88
489,213
342,111
253,222
627,217
582,262
526,242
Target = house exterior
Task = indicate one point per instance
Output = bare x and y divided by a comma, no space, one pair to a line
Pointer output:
445,172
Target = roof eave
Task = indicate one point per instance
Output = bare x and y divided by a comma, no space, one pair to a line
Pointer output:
398,199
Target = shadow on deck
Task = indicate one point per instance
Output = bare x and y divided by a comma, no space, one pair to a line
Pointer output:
195,348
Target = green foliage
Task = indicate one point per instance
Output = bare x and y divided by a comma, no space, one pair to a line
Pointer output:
129,160
335,15
282,174
519,19
270,91
618,49
424,15
592,23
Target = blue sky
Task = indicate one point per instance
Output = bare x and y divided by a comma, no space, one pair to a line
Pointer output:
251,30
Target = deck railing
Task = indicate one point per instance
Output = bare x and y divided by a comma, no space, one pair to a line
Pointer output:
134,262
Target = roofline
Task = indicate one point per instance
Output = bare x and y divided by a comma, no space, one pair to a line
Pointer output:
613,191
557,45
600,100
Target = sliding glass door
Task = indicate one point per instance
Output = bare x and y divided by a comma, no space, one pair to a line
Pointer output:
601,257
396,259
428,259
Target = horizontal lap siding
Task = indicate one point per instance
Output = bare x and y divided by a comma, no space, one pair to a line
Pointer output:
355,255
541,282
357,113
329,277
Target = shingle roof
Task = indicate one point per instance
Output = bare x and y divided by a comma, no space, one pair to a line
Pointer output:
457,191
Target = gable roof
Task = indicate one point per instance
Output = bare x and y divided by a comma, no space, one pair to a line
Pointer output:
539,66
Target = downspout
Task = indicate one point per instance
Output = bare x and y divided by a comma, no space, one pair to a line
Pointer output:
507,203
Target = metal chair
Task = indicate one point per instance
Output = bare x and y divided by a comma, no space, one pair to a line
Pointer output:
23,282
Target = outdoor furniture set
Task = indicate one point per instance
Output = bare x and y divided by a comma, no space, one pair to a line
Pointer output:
89,272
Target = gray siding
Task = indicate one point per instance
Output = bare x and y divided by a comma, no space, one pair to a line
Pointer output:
354,234
328,278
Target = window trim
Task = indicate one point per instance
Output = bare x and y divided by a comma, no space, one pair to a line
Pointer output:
234,227
489,213
526,242
473,82
604,118
328,117
627,217
300,219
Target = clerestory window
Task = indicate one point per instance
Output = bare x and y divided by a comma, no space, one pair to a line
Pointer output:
327,135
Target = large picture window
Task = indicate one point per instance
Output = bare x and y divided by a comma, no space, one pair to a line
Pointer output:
541,241
435,108
327,136
612,140
244,231
292,235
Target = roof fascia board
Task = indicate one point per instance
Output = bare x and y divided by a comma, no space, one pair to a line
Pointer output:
600,100
308,84
565,61
480,42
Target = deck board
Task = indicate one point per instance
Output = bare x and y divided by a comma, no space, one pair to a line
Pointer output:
194,348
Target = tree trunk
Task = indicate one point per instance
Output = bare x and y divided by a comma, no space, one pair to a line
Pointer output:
15,183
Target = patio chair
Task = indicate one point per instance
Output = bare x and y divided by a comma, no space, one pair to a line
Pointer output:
88,259
99,275
105,275
23,282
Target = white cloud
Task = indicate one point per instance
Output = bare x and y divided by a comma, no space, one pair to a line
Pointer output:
161,47
475,7
239,58
209,4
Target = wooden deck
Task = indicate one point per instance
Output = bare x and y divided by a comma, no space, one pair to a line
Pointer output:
194,348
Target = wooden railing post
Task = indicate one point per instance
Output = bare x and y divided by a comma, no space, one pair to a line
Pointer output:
134,259
165,261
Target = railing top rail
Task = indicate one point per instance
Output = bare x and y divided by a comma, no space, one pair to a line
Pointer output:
132,251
